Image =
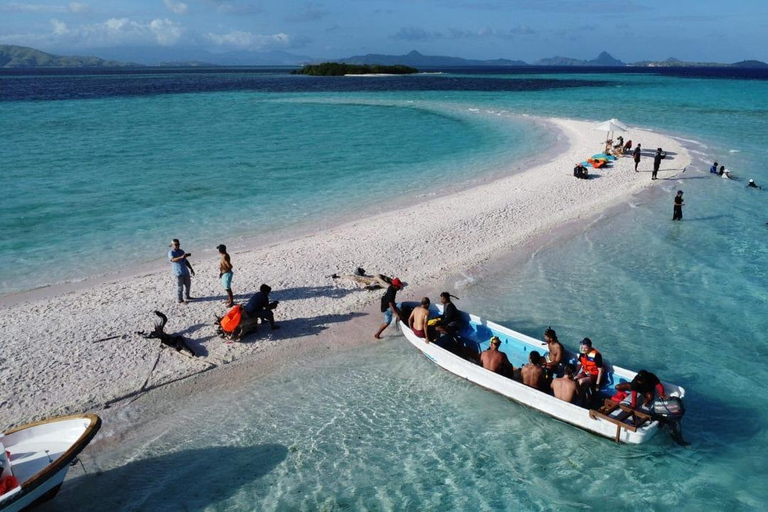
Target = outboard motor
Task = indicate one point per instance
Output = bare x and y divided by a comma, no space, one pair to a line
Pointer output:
669,412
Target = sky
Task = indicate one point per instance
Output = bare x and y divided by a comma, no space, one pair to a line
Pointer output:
630,30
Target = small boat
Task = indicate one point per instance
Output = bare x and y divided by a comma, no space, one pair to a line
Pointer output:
35,458
615,420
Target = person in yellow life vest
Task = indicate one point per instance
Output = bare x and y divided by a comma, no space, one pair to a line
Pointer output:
590,370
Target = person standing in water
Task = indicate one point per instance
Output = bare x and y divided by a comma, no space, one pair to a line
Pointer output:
677,211
389,307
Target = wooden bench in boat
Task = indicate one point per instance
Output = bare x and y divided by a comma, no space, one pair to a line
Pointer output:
628,418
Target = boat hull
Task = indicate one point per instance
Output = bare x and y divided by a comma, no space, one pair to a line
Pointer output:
519,392
41,454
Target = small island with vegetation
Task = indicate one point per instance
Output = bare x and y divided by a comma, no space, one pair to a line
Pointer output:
341,69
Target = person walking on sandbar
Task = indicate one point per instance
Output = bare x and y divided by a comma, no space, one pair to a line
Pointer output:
182,269
677,213
225,274
636,157
660,155
388,306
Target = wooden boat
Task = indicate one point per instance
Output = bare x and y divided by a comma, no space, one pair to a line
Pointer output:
38,456
610,419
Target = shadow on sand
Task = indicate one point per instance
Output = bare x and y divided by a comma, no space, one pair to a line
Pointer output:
186,480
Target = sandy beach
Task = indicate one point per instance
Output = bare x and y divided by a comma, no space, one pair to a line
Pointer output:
78,351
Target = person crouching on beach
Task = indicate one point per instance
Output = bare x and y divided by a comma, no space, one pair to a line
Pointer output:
388,306
182,269
225,274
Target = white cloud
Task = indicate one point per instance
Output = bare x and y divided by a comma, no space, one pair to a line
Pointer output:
176,7
72,7
22,7
249,41
79,7
113,32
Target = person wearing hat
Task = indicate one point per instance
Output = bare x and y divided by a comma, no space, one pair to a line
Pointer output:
677,213
590,369
752,184
495,360
225,273
388,306
182,269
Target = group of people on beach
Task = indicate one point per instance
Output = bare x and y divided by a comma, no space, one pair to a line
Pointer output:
258,308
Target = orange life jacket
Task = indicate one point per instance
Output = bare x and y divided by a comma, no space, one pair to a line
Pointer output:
232,319
587,360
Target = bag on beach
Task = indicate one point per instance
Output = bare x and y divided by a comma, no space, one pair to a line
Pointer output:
231,320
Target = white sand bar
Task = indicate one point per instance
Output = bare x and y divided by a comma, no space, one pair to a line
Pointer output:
51,361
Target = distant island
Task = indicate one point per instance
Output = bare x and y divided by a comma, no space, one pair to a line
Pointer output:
341,69
416,59
28,58
24,57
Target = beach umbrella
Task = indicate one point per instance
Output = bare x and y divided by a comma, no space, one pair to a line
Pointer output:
610,126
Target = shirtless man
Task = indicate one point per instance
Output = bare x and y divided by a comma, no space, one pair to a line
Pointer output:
419,318
495,360
565,388
533,373
555,351
225,274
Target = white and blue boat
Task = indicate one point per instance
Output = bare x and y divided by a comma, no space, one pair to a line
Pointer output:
613,420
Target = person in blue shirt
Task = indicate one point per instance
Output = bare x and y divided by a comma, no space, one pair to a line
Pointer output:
182,269
713,169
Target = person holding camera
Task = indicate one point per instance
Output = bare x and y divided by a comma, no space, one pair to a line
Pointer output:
259,306
181,269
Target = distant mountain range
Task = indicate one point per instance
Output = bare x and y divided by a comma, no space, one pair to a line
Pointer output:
418,60
24,57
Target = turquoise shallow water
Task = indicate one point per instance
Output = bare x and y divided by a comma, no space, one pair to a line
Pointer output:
384,429
104,184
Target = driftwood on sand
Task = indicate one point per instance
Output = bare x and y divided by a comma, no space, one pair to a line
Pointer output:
369,282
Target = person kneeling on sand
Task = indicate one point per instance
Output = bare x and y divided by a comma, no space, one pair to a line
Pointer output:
533,373
419,318
388,306
565,388
495,360
259,307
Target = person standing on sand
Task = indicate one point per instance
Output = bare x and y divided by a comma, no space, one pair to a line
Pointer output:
181,270
660,155
677,213
388,306
636,157
225,274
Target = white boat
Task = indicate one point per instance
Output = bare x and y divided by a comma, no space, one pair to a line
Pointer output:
38,456
613,420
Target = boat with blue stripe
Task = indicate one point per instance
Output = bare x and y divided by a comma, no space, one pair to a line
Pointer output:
614,420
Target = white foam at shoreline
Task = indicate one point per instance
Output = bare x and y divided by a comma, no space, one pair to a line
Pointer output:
57,365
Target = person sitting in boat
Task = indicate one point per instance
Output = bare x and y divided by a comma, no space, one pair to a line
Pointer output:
646,384
419,318
450,321
555,351
533,373
565,388
590,370
495,360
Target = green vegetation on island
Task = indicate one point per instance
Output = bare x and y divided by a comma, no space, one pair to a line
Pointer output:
24,57
340,69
